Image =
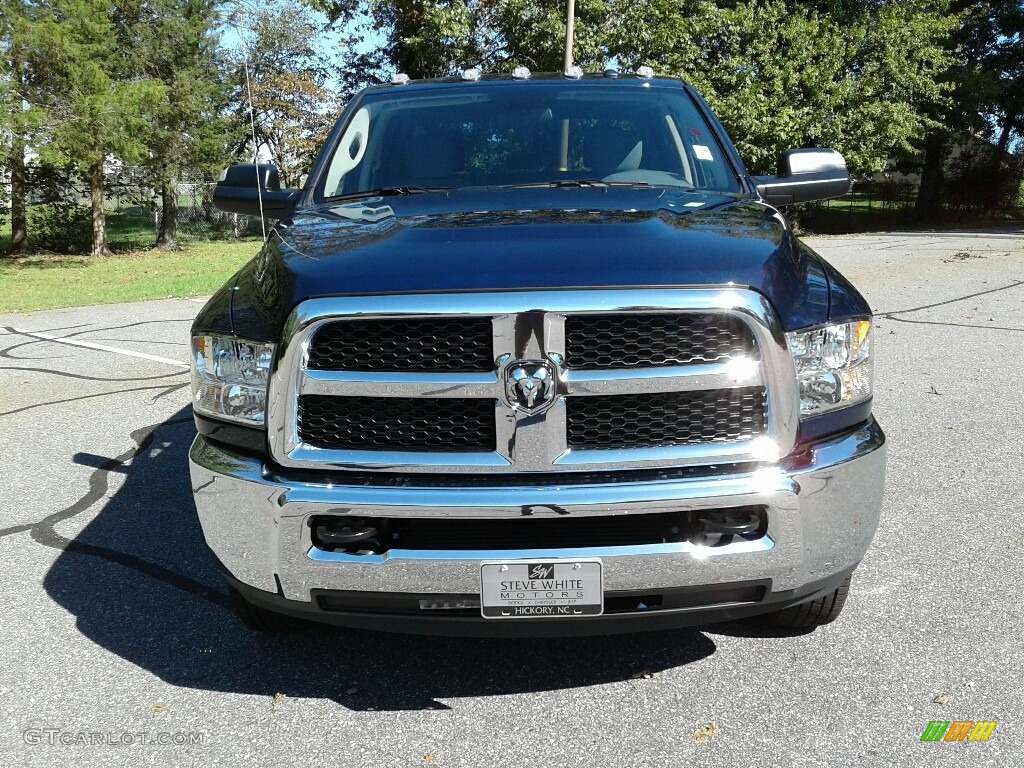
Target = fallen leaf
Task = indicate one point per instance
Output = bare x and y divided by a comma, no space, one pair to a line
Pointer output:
963,256
704,734
278,698
159,708
428,758
941,699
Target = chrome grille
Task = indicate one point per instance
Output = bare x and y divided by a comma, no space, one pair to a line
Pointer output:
393,423
416,344
666,418
649,340
645,378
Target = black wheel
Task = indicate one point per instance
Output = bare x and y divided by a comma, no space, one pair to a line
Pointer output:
815,613
260,619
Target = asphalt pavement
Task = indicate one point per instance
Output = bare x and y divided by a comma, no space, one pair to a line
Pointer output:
118,646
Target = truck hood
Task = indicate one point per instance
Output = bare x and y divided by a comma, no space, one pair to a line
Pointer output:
494,240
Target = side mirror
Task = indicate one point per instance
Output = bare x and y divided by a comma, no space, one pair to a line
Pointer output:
805,175
241,188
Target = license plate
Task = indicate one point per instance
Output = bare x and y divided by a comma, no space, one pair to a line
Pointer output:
523,589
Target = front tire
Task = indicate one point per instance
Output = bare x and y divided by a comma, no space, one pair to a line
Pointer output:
814,613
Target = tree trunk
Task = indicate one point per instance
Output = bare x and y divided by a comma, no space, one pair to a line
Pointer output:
1006,132
167,237
929,195
19,221
16,160
99,221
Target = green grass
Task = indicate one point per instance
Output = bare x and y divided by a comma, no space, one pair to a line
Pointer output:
49,282
129,228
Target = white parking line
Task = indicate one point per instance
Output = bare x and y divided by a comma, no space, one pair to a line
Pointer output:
100,347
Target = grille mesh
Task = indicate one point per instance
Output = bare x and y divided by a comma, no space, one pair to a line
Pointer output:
416,344
394,423
639,341
666,419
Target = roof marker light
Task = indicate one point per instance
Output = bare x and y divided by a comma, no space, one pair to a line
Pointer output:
521,73
574,72
400,79
472,74
645,72
611,72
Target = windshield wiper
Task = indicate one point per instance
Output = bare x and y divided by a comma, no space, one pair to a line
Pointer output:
575,183
388,192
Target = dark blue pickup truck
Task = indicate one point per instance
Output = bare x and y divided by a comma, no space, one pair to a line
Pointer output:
534,354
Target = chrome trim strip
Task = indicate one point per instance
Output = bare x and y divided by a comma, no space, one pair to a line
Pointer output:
530,325
570,302
388,384
676,455
697,551
398,460
675,378
612,498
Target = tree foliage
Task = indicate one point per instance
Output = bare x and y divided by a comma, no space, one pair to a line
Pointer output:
167,83
19,117
96,105
91,84
780,73
784,75
986,105
280,63
989,76
174,42
437,38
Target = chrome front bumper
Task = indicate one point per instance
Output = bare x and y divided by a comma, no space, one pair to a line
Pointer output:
823,506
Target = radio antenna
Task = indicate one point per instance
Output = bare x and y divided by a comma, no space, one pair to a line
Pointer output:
570,20
252,128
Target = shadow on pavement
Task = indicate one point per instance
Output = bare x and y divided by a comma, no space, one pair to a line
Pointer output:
142,584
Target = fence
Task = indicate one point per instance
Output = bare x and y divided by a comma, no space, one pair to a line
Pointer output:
60,221
199,220
876,206
870,206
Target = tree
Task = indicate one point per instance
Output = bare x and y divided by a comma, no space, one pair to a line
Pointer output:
992,49
987,101
281,72
17,117
96,105
174,42
780,75
437,38
853,74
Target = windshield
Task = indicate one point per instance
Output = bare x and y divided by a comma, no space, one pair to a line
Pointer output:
516,134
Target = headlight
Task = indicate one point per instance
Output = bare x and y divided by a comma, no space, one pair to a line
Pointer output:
833,365
229,378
